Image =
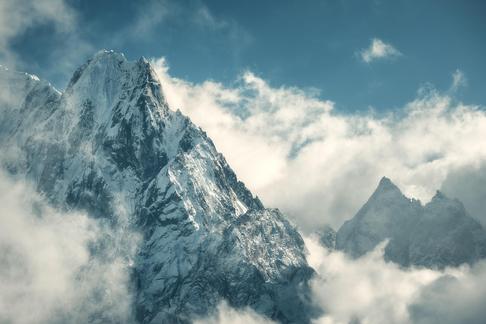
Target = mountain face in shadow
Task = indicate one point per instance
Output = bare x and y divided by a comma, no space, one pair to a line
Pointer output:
436,235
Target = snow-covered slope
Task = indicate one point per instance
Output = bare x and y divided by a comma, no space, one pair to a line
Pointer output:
439,234
110,145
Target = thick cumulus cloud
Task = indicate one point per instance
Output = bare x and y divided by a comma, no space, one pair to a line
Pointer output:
299,154
53,265
370,290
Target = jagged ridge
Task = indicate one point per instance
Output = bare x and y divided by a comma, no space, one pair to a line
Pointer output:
111,146
436,235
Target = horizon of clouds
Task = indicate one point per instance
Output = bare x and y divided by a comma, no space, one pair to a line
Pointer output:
298,153
383,292
379,50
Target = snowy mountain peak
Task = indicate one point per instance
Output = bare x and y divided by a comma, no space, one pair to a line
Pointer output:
108,79
10,78
110,142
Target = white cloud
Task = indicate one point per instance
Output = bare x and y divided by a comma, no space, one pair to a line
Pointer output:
458,80
297,153
148,16
225,314
48,272
370,290
378,50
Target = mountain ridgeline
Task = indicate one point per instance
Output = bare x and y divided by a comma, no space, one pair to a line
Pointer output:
110,146
436,235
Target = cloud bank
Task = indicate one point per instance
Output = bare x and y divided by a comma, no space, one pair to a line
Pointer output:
379,50
54,267
298,153
370,290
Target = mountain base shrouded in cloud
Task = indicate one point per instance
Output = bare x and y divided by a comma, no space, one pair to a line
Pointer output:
109,146
60,267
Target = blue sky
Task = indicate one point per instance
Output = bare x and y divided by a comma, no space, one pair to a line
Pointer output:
314,45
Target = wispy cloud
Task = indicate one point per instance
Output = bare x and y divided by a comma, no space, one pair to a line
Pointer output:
147,18
378,50
458,80
18,16
50,272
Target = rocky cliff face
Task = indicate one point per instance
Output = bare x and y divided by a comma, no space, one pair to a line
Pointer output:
110,145
436,235
327,237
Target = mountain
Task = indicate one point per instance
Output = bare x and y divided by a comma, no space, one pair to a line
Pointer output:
436,235
109,145
327,237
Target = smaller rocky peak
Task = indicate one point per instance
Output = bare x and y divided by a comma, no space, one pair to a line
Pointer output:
143,61
440,199
439,196
386,189
101,58
440,204
386,184
11,78
22,89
